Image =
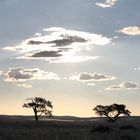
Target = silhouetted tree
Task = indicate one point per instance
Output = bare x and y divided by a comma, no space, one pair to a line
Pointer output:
112,112
40,106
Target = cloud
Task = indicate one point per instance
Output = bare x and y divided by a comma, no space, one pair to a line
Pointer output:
37,34
137,69
47,54
23,85
131,30
67,40
74,59
1,72
59,45
125,85
54,29
20,75
24,74
64,41
86,77
90,84
107,3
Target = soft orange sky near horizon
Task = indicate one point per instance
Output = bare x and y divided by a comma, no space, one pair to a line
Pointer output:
76,53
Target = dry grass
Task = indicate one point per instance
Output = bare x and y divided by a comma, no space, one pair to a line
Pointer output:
80,129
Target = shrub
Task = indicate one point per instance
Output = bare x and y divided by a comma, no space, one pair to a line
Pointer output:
127,137
127,127
101,129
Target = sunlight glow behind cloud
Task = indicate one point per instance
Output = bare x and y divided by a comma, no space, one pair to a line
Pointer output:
131,30
59,45
137,69
106,3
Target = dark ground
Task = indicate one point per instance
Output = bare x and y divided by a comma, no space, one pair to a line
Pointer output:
68,128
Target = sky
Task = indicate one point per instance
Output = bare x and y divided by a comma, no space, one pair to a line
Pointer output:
76,53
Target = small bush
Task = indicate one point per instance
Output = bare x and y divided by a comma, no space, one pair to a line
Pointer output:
127,137
101,129
127,127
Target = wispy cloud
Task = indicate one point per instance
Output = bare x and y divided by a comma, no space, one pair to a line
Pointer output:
19,76
125,85
59,45
87,77
1,72
131,30
47,54
137,69
24,85
106,3
91,84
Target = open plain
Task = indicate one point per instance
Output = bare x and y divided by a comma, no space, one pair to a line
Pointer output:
68,128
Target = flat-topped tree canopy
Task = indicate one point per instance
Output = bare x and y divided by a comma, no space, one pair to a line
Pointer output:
112,112
40,106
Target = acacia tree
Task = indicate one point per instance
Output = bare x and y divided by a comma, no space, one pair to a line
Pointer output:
112,112
40,106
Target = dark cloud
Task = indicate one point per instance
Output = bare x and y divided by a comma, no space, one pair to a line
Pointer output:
92,77
33,42
47,54
65,41
85,76
125,85
21,76
19,73
95,76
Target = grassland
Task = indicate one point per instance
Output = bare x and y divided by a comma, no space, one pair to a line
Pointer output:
68,128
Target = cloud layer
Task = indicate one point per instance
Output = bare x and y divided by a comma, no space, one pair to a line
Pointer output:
131,30
125,85
19,76
59,45
106,3
88,77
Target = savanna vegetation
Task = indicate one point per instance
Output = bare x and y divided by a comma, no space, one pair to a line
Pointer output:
67,127
112,112
25,128
40,106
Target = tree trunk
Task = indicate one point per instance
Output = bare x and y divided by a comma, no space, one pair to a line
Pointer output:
110,119
35,112
117,116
